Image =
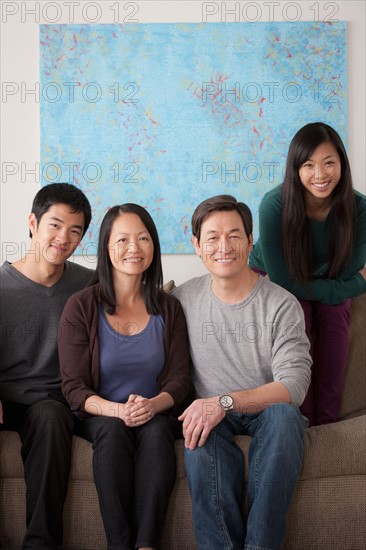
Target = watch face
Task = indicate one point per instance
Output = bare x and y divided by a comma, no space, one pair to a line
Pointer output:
226,402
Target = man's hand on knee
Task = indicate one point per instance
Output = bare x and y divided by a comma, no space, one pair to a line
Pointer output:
199,419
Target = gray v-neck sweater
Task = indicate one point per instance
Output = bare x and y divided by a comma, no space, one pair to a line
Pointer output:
29,317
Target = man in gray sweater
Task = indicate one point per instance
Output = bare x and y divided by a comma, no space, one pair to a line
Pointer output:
251,368
33,292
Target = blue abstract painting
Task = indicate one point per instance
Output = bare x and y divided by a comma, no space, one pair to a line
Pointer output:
166,115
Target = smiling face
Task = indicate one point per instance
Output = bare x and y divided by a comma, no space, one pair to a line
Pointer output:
130,245
57,234
224,245
321,173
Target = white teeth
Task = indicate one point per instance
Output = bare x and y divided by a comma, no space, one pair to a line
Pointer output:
133,260
225,260
321,185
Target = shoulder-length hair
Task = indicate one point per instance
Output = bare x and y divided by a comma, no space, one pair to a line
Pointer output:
152,277
341,218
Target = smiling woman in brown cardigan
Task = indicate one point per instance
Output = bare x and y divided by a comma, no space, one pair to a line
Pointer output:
124,361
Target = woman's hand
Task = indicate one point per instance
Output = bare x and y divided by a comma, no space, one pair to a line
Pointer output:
138,411
363,272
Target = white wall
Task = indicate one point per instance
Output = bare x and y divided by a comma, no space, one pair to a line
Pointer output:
20,72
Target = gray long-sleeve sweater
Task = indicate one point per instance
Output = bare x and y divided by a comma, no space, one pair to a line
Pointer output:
245,345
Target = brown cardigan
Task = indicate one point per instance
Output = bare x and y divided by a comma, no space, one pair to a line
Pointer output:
78,346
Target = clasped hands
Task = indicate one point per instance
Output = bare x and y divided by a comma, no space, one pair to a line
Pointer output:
137,411
198,419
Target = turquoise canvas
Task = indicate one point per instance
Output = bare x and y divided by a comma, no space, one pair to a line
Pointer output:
166,115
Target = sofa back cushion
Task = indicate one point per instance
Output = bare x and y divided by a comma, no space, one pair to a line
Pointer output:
354,393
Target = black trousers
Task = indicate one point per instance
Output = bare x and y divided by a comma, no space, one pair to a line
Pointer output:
45,429
134,474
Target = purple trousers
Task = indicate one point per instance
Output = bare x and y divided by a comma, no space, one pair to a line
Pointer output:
327,327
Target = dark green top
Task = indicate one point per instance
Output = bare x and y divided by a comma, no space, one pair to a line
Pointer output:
268,255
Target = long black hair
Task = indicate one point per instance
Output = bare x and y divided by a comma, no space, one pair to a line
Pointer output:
153,276
341,218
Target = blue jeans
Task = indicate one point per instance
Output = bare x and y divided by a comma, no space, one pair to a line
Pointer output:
216,479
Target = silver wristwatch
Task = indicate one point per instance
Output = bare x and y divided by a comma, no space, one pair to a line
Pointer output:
226,402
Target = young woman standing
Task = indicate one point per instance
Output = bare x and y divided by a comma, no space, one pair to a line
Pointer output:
313,243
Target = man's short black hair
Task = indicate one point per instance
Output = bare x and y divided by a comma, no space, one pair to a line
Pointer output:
61,193
221,203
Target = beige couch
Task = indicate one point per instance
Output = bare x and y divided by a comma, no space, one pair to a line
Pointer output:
328,511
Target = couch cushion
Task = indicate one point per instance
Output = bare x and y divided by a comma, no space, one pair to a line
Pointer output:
11,465
354,395
323,455
335,449
82,455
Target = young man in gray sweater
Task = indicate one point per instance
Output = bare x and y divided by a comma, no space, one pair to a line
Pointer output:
251,368
33,292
